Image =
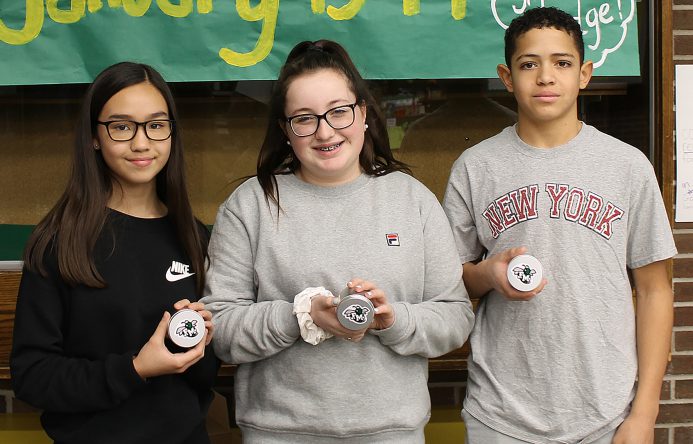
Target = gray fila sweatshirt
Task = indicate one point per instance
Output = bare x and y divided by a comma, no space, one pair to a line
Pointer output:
390,230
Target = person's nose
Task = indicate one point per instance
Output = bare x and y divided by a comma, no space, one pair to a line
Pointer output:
546,76
324,131
140,142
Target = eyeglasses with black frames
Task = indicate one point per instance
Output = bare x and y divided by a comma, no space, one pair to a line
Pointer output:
125,130
339,117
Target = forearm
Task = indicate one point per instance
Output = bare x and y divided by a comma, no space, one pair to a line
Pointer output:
249,333
654,324
654,320
430,328
62,384
245,330
48,377
475,279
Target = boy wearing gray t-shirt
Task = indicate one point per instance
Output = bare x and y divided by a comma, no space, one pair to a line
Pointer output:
560,363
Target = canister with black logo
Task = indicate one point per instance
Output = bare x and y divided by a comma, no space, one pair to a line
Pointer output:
525,272
186,328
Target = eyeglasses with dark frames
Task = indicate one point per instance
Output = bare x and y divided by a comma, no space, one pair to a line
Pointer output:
339,117
125,130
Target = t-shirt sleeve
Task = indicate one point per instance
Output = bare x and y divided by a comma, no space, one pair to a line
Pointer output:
649,233
459,208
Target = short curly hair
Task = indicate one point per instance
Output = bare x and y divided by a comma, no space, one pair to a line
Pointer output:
538,18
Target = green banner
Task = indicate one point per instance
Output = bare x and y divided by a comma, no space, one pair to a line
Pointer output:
69,41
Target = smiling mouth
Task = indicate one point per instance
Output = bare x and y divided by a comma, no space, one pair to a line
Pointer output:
330,148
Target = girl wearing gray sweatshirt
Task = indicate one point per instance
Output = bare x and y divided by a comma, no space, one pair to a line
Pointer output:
330,207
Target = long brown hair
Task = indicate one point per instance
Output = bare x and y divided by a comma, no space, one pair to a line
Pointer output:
74,224
276,157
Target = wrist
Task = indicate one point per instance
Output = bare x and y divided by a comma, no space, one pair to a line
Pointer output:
485,276
645,410
302,308
138,368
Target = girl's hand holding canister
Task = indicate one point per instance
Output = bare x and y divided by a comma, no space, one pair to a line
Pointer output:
155,359
326,311
324,314
200,308
384,314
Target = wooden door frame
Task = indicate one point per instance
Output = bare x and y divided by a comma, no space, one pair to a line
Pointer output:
663,104
664,101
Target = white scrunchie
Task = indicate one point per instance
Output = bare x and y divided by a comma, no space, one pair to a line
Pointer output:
310,332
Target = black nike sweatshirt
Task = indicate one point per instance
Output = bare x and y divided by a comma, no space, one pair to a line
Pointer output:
73,346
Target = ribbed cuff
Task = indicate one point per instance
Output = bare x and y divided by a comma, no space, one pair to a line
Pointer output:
399,330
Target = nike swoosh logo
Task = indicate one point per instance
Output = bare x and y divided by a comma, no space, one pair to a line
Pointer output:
176,277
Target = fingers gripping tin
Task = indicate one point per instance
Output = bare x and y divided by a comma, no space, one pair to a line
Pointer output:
355,312
525,272
186,328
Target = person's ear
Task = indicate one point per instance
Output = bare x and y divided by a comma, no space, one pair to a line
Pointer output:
586,71
364,109
506,76
95,144
283,124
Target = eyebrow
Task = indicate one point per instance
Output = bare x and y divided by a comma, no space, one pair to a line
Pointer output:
129,117
330,105
555,54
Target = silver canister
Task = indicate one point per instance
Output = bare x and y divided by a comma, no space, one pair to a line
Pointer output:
355,311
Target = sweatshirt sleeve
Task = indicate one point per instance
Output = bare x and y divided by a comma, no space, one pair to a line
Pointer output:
459,207
202,374
42,373
245,330
442,321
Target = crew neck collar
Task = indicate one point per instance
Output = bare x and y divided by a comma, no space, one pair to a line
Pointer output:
293,181
138,223
554,152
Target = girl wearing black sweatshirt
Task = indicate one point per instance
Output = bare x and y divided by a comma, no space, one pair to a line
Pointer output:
104,269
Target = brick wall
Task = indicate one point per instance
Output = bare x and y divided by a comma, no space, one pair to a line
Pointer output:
675,423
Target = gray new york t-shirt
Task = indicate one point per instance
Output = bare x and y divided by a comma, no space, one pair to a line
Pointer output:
562,366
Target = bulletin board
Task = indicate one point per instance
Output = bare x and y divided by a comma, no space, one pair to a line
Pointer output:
684,143
51,41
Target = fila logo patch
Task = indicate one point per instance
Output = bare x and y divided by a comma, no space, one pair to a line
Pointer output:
392,239
178,271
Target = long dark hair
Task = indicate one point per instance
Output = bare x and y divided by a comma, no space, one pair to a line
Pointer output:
277,157
74,224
